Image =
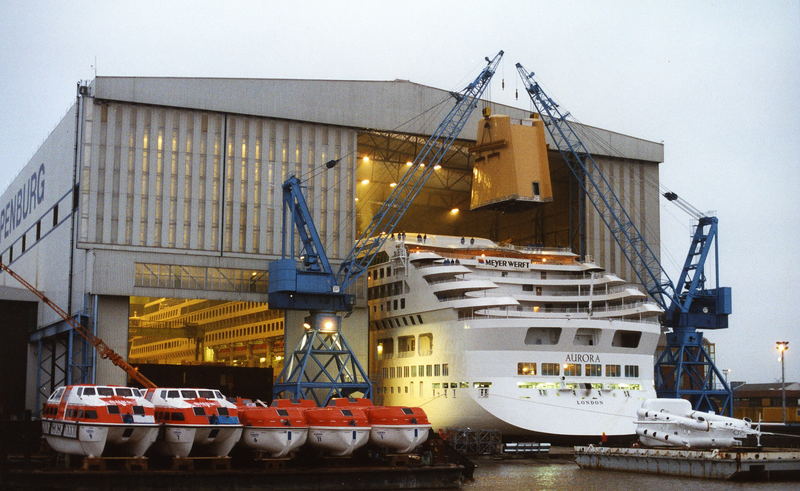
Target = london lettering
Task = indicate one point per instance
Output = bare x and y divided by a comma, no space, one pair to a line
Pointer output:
23,203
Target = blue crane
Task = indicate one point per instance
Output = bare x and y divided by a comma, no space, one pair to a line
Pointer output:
323,365
684,369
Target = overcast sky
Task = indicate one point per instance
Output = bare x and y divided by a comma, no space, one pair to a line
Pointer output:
718,82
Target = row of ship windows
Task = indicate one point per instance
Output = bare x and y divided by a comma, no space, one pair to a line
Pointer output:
378,273
406,346
387,290
390,305
575,369
435,386
437,370
245,331
399,321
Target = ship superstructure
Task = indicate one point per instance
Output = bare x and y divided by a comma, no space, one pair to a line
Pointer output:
525,340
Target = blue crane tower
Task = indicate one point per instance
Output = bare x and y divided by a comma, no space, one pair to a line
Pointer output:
684,369
323,364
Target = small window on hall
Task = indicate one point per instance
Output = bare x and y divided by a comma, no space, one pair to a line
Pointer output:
437,370
402,303
394,304
24,241
55,215
419,318
445,370
613,371
627,339
632,371
381,273
527,288
428,370
572,369
388,271
593,370
413,371
525,368
535,188
551,369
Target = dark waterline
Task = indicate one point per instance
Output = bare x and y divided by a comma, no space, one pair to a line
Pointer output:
502,475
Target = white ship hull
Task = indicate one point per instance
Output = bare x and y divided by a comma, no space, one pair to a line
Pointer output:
527,342
278,442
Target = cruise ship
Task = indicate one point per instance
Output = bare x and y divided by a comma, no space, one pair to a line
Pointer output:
528,341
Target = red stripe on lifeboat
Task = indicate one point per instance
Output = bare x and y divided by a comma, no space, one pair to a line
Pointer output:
397,415
337,417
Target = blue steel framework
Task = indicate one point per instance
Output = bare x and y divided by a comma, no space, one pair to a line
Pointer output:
685,368
323,362
63,357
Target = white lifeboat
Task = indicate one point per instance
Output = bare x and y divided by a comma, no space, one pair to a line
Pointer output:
277,430
92,420
338,431
196,421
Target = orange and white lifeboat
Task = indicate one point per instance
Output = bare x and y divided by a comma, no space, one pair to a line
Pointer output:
92,419
398,429
337,430
196,421
277,430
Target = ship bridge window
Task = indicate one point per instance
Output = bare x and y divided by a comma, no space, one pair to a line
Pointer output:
543,335
88,391
189,394
105,391
627,339
124,392
206,394
551,369
587,337
425,344
173,394
613,371
526,368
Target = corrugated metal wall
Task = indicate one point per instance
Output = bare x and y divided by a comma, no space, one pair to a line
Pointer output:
170,178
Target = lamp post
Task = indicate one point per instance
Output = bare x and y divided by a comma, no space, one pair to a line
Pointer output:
782,347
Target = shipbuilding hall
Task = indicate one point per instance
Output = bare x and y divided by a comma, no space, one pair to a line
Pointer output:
152,210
